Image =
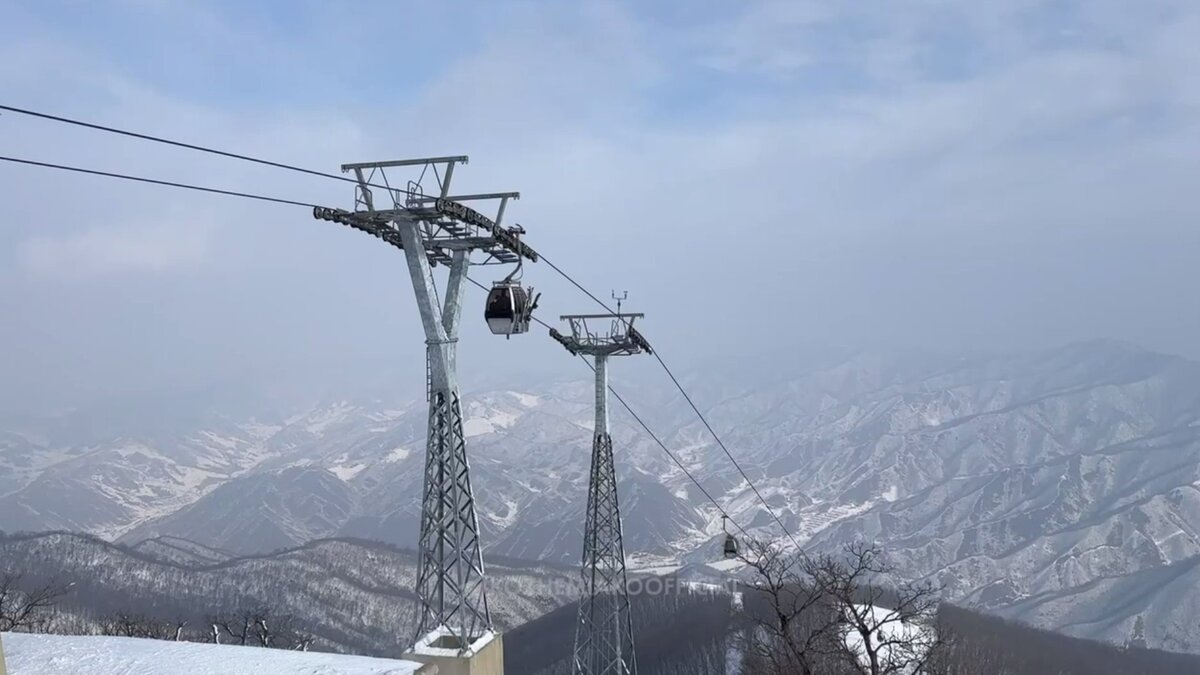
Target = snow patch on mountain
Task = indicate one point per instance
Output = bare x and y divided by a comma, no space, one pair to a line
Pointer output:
398,454
321,421
527,400
483,419
226,442
347,472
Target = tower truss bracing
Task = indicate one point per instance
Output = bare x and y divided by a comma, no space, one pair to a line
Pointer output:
604,630
439,229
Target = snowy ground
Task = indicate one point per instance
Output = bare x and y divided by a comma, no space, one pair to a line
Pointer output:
28,654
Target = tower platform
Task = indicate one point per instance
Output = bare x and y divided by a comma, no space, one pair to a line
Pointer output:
484,656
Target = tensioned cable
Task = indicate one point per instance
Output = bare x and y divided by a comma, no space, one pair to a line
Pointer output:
181,144
202,148
670,454
691,403
155,181
256,160
650,433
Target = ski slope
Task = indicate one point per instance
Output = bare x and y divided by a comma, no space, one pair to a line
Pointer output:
34,654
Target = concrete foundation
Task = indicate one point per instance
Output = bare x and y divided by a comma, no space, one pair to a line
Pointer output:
440,649
3,670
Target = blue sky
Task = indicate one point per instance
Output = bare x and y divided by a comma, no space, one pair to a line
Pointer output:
950,175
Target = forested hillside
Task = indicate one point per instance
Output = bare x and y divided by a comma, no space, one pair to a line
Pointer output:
351,596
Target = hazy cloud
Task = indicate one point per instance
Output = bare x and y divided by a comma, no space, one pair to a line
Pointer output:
950,174
152,248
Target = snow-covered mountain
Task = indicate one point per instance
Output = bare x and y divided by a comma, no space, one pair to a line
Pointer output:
1059,487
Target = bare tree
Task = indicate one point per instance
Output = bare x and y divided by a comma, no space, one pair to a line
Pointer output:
123,624
127,624
237,626
304,641
830,615
791,624
954,654
25,609
887,630
259,626
130,624
262,632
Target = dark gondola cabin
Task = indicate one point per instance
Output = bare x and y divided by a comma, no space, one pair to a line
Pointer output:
508,309
731,546
731,549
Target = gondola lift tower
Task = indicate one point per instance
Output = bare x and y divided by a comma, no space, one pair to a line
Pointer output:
603,630
455,628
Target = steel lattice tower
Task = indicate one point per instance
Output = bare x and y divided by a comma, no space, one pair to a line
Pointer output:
433,230
604,630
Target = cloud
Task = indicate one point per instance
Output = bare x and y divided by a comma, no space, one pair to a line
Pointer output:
827,164
772,37
101,251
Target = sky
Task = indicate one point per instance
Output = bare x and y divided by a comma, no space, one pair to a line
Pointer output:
761,177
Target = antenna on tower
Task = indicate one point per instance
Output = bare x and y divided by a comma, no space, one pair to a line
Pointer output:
623,296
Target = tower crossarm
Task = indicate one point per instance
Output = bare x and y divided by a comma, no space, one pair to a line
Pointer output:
421,161
447,222
602,335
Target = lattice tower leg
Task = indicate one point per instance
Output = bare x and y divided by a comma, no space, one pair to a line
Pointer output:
450,570
604,631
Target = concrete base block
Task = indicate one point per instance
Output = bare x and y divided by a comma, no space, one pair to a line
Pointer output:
485,656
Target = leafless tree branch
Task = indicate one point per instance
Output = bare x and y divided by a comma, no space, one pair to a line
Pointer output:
22,607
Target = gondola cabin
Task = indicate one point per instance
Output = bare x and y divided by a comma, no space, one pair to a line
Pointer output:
731,547
509,308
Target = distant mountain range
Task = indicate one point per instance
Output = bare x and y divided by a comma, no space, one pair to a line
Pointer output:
1059,487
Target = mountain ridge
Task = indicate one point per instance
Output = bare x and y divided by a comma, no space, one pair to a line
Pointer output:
355,596
1074,464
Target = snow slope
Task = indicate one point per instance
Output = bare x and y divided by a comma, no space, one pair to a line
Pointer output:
32,654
